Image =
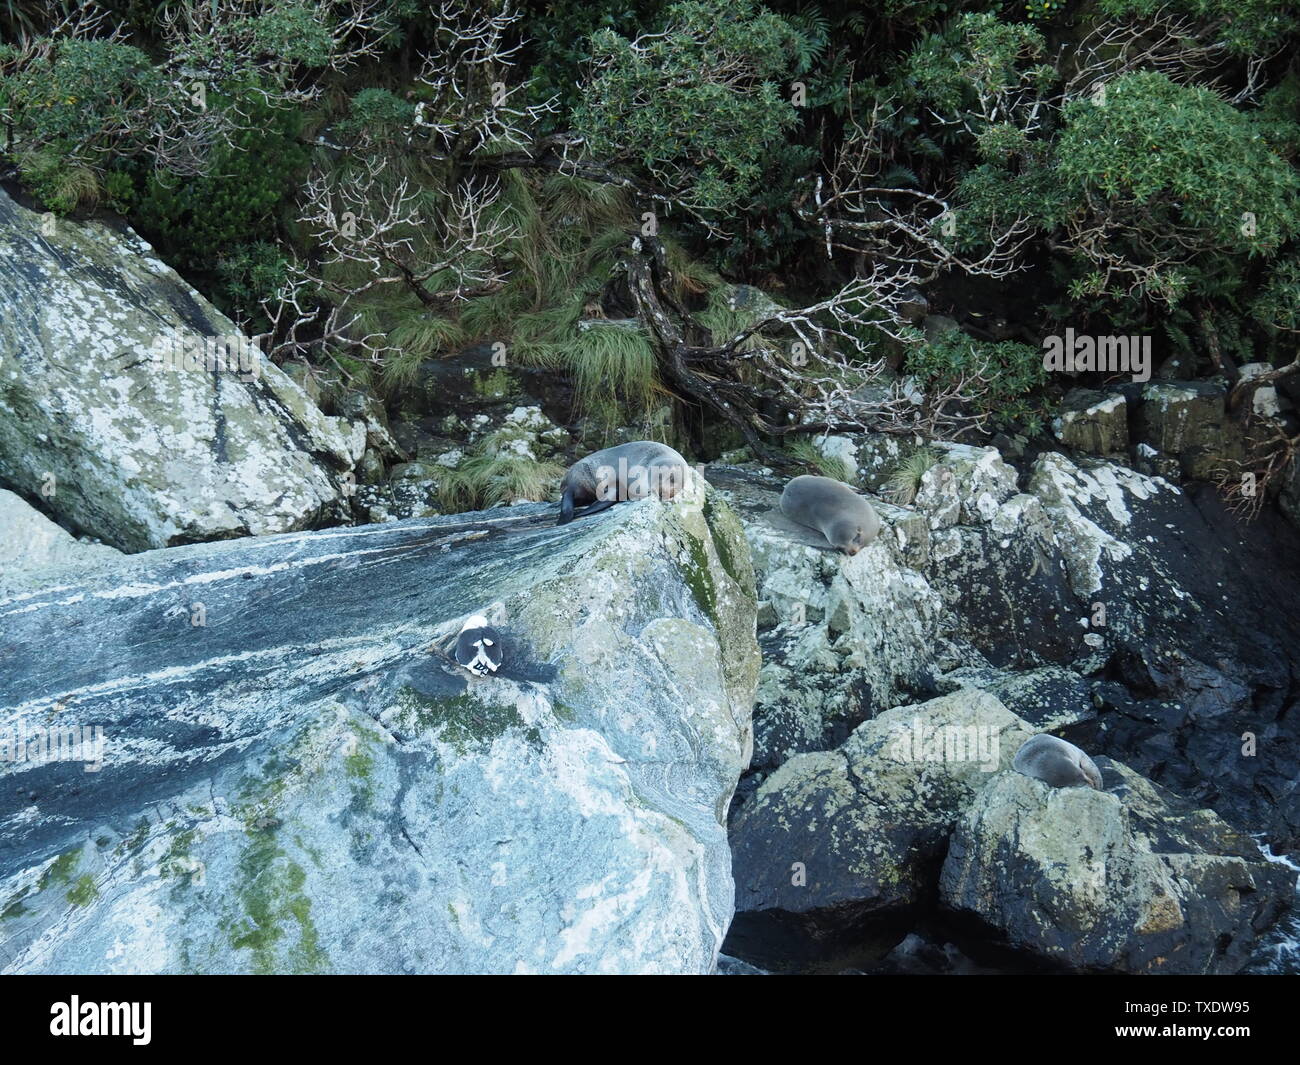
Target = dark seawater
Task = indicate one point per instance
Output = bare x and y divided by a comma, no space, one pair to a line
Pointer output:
1279,950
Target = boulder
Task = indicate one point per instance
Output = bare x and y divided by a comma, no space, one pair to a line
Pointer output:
1093,422
29,540
834,836
290,779
136,410
1131,879
1047,698
1189,421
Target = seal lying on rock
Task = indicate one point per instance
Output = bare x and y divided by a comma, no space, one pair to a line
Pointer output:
623,472
833,509
1056,762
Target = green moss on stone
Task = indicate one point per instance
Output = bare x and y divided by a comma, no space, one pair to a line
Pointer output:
721,541
461,721
61,872
700,580
14,909
83,892
274,904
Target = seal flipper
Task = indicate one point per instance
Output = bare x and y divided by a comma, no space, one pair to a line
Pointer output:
598,506
566,506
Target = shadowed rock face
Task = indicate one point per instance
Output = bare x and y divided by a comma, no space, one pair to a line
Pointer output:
139,454
869,821
298,784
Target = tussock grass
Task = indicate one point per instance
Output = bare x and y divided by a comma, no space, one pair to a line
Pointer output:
806,453
905,481
496,474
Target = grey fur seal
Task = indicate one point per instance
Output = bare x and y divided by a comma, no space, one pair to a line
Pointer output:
831,507
626,471
478,646
1056,762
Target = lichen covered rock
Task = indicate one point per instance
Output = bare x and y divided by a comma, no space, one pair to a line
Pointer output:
137,410
300,784
833,836
1130,879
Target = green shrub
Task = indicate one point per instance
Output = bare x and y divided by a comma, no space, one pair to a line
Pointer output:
1173,172
1008,372
696,110
199,221
88,102
1246,27
251,275
377,116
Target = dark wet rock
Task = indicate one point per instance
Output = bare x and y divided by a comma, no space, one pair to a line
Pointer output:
835,836
1093,422
1131,879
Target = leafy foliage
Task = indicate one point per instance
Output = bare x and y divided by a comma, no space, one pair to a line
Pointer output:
202,220
1006,373
1178,159
696,107
1246,27
70,104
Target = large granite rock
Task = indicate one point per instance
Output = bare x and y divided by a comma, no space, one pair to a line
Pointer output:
1130,879
291,781
112,410
834,836
29,540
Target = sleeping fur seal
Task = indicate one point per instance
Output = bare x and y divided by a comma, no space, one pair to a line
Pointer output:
623,472
1057,762
833,509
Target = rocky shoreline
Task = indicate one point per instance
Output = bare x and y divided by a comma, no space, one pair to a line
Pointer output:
715,745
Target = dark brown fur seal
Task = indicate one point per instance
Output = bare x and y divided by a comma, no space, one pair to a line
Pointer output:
832,508
1056,762
612,475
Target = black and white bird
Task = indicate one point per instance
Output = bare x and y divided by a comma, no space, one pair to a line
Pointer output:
478,647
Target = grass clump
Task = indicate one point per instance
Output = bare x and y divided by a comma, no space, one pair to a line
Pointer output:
501,469
905,481
806,453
